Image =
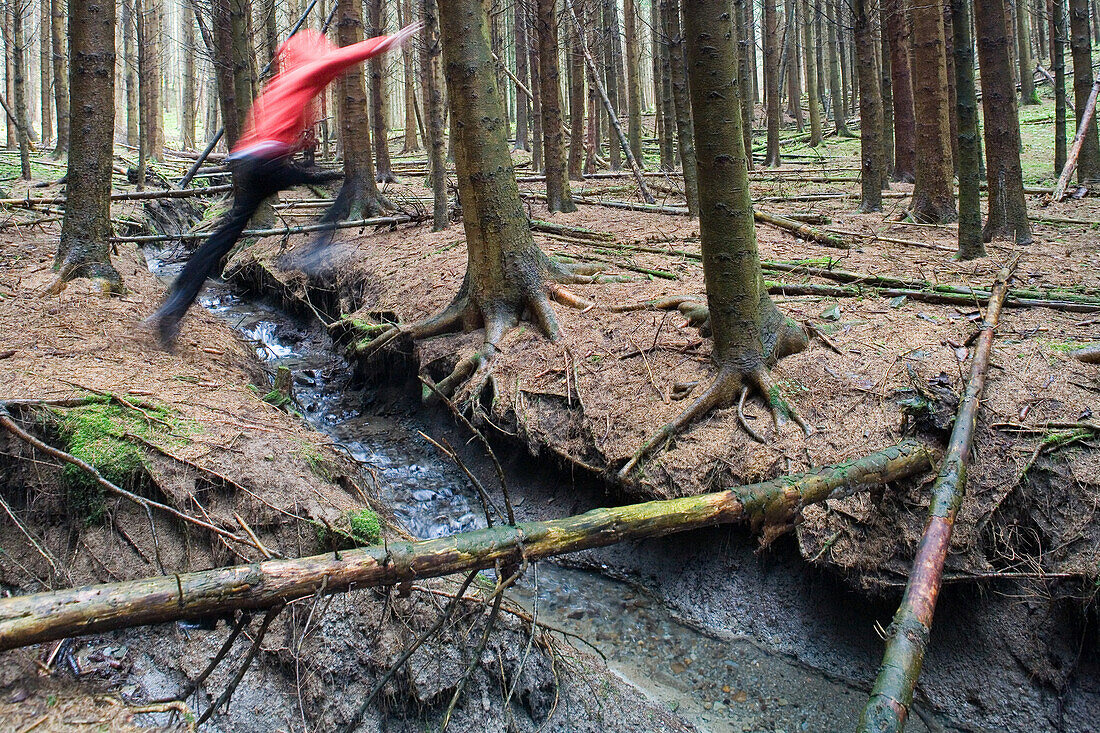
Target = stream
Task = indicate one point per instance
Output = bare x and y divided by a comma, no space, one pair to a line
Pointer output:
718,676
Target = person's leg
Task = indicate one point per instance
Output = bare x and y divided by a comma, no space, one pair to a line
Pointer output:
251,190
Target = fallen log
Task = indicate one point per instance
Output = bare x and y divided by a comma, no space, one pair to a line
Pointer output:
907,637
1078,141
136,196
1088,355
770,505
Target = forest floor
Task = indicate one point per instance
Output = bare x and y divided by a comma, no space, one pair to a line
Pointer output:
1023,571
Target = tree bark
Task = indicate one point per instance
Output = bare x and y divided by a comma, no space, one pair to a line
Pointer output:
836,94
60,75
613,69
633,79
934,192
533,65
9,74
359,196
558,195
771,83
149,82
970,210
1058,67
810,62
794,54
897,28
84,249
188,102
522,102
670,12
19,87
1088,161
769,506
873,167
231,66
746,50
430,78
379,100
45,103
1028,95
412,144
1004,176
576,104
887,92
663,87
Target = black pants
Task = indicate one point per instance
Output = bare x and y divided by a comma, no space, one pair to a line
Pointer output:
254,179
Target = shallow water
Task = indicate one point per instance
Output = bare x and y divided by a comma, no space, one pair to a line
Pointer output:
719,684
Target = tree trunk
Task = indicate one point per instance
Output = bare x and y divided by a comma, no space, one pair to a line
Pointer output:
149,82
934,192
411,144
836,94
870,110
379,100
769,506
670,12
887,91
746,50
576,104
663,87
188,103
1058,67
847,88
970,209
1036,21
558,195
810,62
533,64
9,73
271,30
233,73
613,68
949,59
897,28
771,83
522,102
19,87
633,80
358,197
1028,95
45,103
1004,177
84,249
433,108
793,52
60,75
1088,162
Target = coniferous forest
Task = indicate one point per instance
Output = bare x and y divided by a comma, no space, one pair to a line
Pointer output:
550,365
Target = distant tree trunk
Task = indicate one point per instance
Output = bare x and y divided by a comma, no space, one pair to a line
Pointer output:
533,66
9,72
1058,67
771,82
1028,95
45,103
1004,176
847,88
746,49
897,29
934,192
887,88
433,111
271,30
379,100
233,71
188,106
810,63
670,14
794,54
84,249
411,145
970,210
835,92
358,195
522,102
60,75
558,195
633,80
949,58
614,71
1088,161
663,90
1096,21
1037,9
577,103
19,87
150,83
870,110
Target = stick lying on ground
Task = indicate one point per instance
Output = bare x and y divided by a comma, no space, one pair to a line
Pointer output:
1078,142
908,635
52,615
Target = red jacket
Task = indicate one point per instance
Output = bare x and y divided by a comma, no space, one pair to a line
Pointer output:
285,109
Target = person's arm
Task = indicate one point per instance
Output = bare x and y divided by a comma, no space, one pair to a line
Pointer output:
325,70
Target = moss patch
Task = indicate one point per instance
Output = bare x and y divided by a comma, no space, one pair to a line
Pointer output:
358,528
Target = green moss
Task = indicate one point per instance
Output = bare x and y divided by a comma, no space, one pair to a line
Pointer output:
1065,346
365,526
319,464
360,527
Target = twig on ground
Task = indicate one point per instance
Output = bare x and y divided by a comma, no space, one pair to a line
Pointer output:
224,697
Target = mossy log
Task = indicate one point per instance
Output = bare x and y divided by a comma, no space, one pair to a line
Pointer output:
908,635
41,617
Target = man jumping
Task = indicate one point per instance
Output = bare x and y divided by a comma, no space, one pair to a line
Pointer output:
276,129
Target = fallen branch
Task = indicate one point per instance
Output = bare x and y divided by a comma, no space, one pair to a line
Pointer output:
1078,141
907,637
378,221
40,617
29,202
1089,354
